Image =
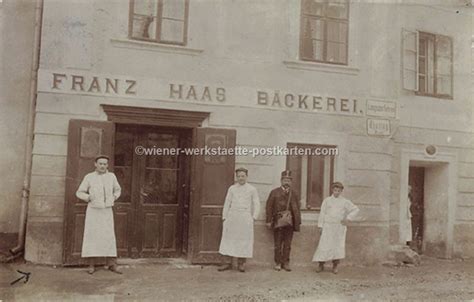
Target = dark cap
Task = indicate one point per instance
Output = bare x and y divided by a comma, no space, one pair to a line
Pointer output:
337,184
241,169
101,156
286,174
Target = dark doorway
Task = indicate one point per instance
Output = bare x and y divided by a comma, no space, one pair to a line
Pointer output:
416,179
151,216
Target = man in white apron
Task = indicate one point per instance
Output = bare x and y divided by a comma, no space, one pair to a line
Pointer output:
99,189
407,220
241,208
336,212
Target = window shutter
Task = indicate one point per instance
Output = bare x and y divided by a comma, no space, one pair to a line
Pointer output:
410,59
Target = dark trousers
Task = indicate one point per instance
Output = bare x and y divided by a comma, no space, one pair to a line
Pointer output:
230,260
109,261
282,240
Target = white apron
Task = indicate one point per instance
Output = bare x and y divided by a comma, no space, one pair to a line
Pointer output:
241,207
99,234
408,227
332,244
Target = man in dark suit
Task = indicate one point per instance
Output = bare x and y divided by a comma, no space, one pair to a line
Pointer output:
278,201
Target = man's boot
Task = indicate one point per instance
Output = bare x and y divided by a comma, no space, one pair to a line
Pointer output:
277,267
226,266
241,265
320,267
286,267
334,266
91,268
113,267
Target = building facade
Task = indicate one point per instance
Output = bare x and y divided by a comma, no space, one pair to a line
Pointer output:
17,30
387,85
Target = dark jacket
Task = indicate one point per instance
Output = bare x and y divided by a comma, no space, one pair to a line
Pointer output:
277,201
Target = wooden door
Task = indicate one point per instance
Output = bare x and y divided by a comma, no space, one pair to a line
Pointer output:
86,140
155,188
211,177
126,169
162,186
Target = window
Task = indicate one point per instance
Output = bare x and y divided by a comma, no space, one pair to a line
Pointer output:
312,175
427,64
324,31
162,21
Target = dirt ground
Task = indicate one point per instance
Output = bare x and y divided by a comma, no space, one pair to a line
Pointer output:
434,279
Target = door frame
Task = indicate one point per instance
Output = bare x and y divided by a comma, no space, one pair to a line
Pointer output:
136,231
420,156
157,117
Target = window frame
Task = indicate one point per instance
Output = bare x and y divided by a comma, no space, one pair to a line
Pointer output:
325,19
159,21
434,37
309,175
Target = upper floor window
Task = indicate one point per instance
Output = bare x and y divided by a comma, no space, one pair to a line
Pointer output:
428,64
324,31
312,174
162,21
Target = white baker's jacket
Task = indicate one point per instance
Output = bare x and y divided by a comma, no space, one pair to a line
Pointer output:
99,190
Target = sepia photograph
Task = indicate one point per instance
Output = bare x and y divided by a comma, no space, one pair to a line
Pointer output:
237,150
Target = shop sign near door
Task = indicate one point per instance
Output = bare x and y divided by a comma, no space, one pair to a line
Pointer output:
378,127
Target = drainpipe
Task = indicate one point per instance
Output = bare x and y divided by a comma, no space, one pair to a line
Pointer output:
16,251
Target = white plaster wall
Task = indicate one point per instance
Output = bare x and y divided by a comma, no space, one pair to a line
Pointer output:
16,51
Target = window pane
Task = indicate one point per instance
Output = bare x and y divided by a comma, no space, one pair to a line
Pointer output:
124,178
172,31
144,27
123,159
337,9
174,9
430,70
443,46
342,53
145,7
430,84
443,85
334,53
304,182
337,31
316,29
316,177
293,164
421,65
422,84
422,46
124,140
311,49
318,48
313,7
165,142
160,186
443,66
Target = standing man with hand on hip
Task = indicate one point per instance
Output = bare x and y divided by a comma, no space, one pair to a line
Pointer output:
283,203
99,189
241,208
336,212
